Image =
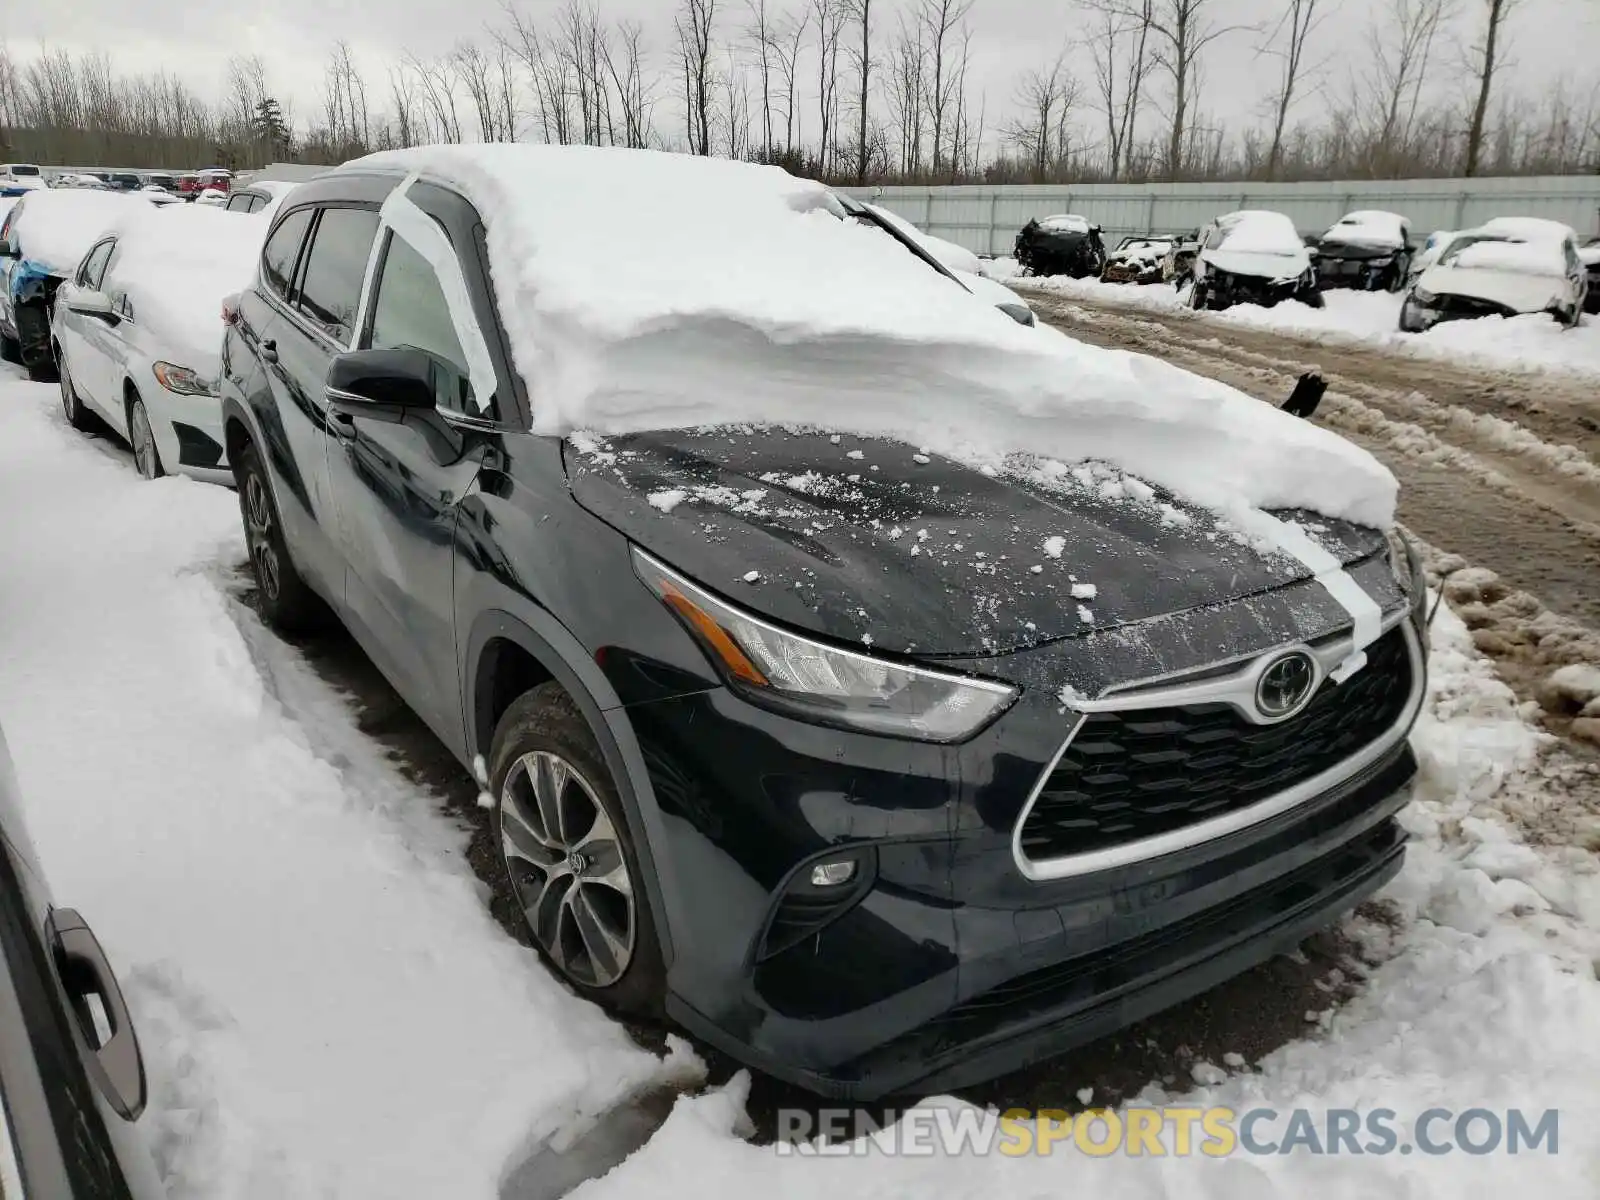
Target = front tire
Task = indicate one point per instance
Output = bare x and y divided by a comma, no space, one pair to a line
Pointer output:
284,599
146,455
569,854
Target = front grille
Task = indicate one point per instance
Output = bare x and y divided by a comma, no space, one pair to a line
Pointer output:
1144,772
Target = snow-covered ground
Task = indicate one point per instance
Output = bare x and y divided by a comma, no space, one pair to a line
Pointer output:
325,1005
1528,343
327,1009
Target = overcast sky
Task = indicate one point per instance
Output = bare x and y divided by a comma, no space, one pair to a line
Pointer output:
1550,39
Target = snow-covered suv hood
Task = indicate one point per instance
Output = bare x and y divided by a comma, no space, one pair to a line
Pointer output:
1518,292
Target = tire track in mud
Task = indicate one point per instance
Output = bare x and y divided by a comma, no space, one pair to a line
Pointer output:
1499,468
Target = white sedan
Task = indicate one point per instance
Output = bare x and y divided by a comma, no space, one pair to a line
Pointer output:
138,329
1504,268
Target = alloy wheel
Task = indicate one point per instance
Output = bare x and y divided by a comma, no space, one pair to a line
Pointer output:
144,443
567,869
258,532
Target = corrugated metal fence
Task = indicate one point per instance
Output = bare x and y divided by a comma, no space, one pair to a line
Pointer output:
986,218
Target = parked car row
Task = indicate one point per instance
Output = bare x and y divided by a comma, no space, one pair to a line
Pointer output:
190,185
1506,267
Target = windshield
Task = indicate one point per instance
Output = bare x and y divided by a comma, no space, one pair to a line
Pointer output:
24,169
1488,252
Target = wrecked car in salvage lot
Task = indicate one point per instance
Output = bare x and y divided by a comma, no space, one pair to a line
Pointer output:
1253,257
1369,249
1506,267
1589,254
1140,260
823,710
1066,244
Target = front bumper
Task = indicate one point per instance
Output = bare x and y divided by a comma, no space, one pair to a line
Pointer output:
188,432
943,964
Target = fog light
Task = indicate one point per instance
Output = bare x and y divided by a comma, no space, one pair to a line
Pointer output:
832,874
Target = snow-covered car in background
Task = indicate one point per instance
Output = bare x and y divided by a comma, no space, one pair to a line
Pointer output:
1505,268
1368,249
212,198
958,261
155,194
1253,256
1589,254
1432,247
1063,244
78,180
138,330
74,1081
42,239
1140,259
258,195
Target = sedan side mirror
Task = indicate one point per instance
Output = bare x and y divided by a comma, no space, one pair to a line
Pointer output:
93,304
397,378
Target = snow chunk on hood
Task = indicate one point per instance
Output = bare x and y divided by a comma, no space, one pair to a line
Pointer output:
57,226
746,299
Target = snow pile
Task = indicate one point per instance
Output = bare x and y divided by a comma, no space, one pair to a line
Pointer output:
57,227
1486,997
744,299
176,264
325,1005
1370,227
1530,343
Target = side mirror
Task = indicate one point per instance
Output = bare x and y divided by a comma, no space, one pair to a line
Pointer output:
92,304
399,378
7,250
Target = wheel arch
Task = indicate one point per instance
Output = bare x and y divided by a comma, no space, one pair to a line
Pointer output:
506,654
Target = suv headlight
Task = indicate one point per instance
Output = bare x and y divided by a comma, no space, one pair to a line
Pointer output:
825,684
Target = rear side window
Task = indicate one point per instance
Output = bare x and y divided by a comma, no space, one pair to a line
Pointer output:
239,203
282,249
330,285
411,311
93,269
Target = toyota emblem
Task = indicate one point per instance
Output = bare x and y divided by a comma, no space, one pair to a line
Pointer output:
1285,686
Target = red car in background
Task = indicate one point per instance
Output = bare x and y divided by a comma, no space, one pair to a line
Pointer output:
191,185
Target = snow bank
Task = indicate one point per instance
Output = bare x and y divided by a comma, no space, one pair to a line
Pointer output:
57,227
325,1005
744,299
176,264
1531,343
1487,998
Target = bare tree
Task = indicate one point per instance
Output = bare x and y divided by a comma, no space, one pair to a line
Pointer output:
860,12
1287,42
549,74
1121,45
403,96
626,69
694,26
939,19
761,35
1182,30
787,41
830,16
1045,97
1486,57
907,59
438,80
1400,50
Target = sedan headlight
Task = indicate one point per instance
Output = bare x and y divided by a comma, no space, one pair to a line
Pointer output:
826,684
182,380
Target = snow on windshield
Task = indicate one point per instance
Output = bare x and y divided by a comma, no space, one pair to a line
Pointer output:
1377,228
764,308
56,228
1480,253
1256,232
176,265
1066,222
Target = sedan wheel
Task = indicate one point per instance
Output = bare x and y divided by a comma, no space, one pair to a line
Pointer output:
71,406
567,868
145,454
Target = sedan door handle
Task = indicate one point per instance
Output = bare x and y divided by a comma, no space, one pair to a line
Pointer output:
85,973
269,351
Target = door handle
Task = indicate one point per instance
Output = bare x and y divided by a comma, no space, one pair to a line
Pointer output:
342,423
269,351
84,972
